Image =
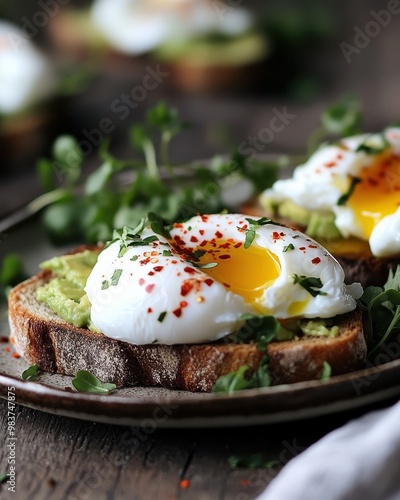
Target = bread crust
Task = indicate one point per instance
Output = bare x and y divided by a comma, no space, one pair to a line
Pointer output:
42,338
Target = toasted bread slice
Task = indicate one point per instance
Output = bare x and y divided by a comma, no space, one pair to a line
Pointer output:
43,338
365,269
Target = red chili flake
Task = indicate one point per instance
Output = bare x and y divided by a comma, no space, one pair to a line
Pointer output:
316,260
7,349
157,269
178,312
302,248
204,218
330,164
312,246
275,235
238,245
225,245
186,286
149,288
189,270
339,156
151,273
183,304
179,240
282,234
3,340
201,231
224,257
145,261
15,355
178,224
149,310
209,281
142,281
174,261
244,482
184,484
218,234
203,243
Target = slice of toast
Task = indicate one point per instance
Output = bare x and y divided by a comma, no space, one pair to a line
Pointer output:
367,270
43,338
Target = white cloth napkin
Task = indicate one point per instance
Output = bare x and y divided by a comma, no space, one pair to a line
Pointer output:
359,461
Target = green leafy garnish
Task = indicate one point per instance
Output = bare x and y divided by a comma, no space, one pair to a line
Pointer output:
253,225
326,371
381,306
30,373
312,285
158,225
288,248
240,380
11,273
256,461
86,382
3,478
345,197
120,192
373,149
167,253
343,118
161,316
115,277
105,284
262,329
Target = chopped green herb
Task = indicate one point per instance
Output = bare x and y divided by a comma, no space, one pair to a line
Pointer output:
135,257
345,197
250,235
161,317
288,248
105,284
311,284
253,225
30,373
207,265
326,371
295,236
167,253
115,277
197,254
256,461
86,382
373,149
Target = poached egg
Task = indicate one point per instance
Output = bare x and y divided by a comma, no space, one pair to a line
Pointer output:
194,285
365,169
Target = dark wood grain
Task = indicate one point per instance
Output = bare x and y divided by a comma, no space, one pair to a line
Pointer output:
62,458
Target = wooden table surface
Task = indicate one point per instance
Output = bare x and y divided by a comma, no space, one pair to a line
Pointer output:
64,458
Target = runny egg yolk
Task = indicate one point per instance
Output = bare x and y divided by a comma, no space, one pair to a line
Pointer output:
378,193
244,271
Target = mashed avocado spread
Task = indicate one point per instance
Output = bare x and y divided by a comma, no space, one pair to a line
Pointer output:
65,293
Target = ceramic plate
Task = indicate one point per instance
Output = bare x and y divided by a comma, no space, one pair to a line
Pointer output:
155,407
